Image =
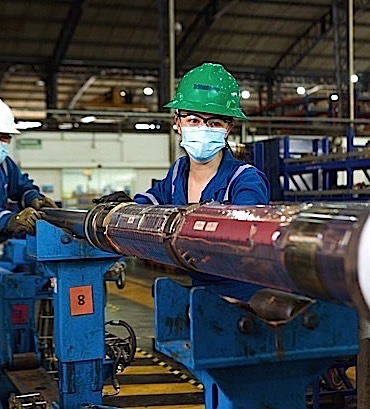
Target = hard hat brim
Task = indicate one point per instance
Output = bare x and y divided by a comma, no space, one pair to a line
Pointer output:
208,109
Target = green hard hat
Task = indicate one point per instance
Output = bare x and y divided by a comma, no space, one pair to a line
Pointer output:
208,88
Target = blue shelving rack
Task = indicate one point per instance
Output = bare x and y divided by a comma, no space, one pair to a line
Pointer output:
302,170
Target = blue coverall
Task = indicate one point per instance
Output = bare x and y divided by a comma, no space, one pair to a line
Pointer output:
16,186
236,183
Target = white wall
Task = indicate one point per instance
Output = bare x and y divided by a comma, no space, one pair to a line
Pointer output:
142,156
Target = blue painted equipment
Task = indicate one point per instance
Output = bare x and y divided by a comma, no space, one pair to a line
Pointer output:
20,288
260,355
77,272
72,271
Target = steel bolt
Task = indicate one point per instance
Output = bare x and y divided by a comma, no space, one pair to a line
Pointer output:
65,239
245,325
310,320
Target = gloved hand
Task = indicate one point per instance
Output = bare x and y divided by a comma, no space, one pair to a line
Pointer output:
24,221
115,197
41,202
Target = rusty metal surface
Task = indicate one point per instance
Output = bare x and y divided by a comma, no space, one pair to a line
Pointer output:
35,381
26,360
310,249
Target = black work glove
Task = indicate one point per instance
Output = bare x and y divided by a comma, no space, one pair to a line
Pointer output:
24,221
41,202
115,197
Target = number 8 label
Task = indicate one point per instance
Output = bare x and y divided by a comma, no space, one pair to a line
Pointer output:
81,300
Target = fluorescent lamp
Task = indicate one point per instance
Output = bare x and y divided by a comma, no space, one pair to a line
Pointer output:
334,97
142,126
65,125
245,94
28,124
148,91
88,119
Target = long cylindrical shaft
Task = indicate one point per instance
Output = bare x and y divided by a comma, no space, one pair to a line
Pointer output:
317,250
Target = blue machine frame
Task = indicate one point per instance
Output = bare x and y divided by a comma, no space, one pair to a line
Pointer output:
76,271
245,362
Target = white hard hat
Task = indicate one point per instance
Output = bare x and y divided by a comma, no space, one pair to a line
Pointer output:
7,124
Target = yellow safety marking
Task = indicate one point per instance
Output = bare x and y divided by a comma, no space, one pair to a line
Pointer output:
113,307
139,354
140,281
184,377
133,292
145,370
152,389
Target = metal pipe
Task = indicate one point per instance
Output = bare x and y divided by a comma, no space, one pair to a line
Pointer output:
316,250
71,220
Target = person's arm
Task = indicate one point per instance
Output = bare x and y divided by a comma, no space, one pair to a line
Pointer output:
12,223
21,188
160,193
251,187
5,216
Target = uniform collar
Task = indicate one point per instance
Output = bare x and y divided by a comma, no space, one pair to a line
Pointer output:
221,179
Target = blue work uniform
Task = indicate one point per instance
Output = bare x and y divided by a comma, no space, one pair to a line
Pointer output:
16,186
235,182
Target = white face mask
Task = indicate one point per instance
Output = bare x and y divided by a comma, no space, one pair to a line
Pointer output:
202,143
4,151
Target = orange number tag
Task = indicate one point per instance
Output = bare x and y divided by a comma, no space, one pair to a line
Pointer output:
81,300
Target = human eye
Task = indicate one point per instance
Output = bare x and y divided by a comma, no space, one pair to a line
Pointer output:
193,120
216,123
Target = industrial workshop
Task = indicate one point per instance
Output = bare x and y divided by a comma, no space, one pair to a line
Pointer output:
184,204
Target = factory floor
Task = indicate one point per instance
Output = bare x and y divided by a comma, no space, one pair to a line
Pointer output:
154,381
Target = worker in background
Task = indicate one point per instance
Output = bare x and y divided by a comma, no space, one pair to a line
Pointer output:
16,186
206,103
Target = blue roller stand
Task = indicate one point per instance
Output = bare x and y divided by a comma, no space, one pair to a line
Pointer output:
20,287
76,270
243,361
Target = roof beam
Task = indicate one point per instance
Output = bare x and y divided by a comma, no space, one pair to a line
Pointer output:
66,34
60,50
200,26
303,44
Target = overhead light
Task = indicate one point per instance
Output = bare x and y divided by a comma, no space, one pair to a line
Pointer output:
354,78
301,90
88,119
40,83
148,91
28,124
245,94
65,125
122,93
142,126
334,97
